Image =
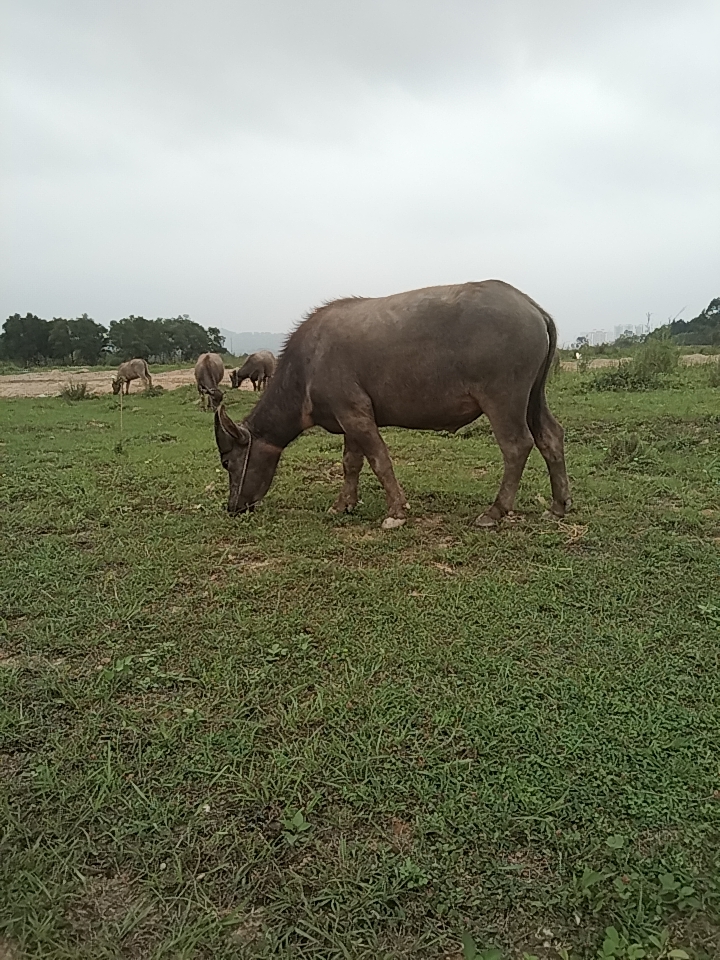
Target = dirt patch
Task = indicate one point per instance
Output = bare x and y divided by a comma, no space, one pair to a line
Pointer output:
599,363
8,951
49,383
111,901
690,359
530,865
402,834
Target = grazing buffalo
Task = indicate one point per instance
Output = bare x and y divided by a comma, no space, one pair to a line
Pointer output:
209,371
132,370
431,359
258,367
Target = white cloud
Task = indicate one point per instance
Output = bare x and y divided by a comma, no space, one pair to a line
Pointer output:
243,161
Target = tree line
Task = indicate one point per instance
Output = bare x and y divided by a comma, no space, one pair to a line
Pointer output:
704,329
32,340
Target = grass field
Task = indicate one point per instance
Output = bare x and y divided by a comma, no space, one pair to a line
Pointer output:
296,736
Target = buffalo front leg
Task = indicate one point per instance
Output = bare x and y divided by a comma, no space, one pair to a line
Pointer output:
353,458
515,442
367,438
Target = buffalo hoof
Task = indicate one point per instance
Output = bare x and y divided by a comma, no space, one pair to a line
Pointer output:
392,523
557,511
486,523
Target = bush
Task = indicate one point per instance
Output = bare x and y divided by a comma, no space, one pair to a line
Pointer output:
76,391
624,377
583,364
650,369
713,374
655,356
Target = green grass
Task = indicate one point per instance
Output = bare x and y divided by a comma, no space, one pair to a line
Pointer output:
294,735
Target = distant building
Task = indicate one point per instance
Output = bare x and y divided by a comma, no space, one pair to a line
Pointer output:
594,337
625,330
640,330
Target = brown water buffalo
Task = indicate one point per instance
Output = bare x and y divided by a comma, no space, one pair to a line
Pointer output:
209,371
258,367
131,370
431,359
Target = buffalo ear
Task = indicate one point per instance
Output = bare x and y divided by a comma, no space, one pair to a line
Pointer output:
228,434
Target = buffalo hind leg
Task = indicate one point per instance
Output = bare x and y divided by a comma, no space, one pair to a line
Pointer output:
515,441
549,437
353,459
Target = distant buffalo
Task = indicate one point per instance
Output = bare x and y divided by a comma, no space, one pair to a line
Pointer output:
258,367
431,359
131,370
209,371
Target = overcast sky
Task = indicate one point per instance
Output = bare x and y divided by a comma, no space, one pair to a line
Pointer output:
243,161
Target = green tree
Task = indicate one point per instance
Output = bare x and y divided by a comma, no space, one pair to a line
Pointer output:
89,339
59,340
186,339
216,341
137,337
702,329
25,339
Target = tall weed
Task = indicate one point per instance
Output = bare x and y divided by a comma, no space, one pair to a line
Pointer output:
656,356
76,391
651,368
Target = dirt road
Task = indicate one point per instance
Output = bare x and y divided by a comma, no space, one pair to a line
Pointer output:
687,360
49,383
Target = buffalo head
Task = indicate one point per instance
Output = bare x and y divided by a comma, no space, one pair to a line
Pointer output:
250,461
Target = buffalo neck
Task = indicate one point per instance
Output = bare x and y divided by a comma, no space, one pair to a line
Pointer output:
277,416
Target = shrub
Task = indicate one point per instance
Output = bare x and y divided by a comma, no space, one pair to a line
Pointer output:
650,369
555,366
624,377
76,391
655,356
583,364
713,374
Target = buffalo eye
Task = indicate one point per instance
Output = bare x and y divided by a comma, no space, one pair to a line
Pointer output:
225,463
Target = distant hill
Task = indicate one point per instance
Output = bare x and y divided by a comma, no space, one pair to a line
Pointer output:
238,343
